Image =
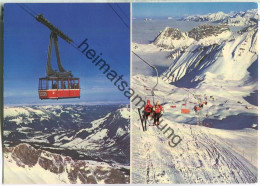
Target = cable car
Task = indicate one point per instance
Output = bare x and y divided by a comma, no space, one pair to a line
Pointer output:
57,84
59,88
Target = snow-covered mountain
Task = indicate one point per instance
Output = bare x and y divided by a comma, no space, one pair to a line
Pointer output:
243,18
171,38
209,17
212,61
23,164
219,142
96,133
224,153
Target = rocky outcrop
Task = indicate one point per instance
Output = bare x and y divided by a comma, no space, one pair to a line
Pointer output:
216,50
27,156
172,33
170,38
178,42
207,30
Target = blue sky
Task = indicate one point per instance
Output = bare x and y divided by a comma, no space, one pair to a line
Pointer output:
26,43
156,10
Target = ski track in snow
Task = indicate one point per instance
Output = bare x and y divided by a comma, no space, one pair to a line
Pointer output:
205,155
200,158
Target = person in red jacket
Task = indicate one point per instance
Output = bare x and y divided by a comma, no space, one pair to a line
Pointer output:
158,111
147,111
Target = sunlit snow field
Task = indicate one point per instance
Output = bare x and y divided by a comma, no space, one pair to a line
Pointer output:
222,67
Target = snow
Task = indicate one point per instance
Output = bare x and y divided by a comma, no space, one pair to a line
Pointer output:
120,132
215,39
225,153
194,159
237,54
90,147
31,110
14,174
18,120
90,141
242,18
172,43
125,113
99,135
74,143
96,123
15,111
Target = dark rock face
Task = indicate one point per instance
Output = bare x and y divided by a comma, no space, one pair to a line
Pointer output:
55,164
43,137
169,36
115,176
207,30
166,34
26,155
173,33
52,127
247,29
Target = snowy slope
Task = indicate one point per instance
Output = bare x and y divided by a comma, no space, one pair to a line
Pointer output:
108,136
214,61
209,17
27,165
226,153
243,18
217,66
172,38
97,133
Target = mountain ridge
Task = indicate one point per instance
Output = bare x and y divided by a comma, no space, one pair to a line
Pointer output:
242,18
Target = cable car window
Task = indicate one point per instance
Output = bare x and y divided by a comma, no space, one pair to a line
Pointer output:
54,84
42,85
49,84
72,84
76,84
65,84
60,84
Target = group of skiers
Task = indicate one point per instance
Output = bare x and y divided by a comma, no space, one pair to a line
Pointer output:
197,108
156,111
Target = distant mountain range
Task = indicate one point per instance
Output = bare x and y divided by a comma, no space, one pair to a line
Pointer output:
172,38
70,136
208,50
243,18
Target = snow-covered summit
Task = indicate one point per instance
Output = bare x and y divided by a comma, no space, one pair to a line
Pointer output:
30,165
172,38
242,18
237,53
205,31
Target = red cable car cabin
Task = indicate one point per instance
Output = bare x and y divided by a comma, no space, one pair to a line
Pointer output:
58,88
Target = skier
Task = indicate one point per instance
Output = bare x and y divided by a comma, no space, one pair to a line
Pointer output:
195,108
158,111
147,111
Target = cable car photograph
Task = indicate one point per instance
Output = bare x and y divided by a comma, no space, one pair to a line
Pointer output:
57,84
58,88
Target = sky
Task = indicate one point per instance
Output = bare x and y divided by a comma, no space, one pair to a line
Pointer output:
26,44
156,10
